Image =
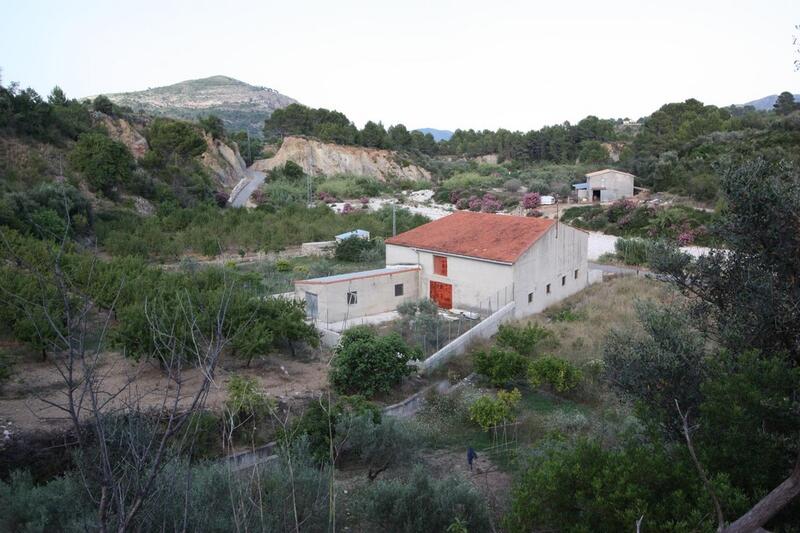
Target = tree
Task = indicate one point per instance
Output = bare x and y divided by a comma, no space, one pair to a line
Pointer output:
106,163
373,135
57,96
214,126
785,104
500,366
399,138
103,105
367,363
174,141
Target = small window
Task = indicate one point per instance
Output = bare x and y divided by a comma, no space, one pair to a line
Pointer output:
576,273
548,288
398,289
530,297
563,280
440,265
352,297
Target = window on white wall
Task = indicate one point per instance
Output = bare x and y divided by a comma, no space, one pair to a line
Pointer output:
398,289
548,288
352,297
563,280
576,273
530,297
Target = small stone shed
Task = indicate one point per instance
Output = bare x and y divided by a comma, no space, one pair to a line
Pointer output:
605,185
358,294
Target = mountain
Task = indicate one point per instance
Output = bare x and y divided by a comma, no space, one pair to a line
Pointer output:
240,105
438,135
766,103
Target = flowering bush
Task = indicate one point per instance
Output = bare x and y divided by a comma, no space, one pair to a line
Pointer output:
347,208
620,209
455,197
490,205
327,198
531,200
474,203
364,201
462,203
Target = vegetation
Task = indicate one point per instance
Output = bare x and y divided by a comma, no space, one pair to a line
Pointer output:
367,363
490,412
107,164
560,375
500,366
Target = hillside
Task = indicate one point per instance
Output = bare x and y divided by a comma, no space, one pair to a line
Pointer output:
766,103
318,158
240,105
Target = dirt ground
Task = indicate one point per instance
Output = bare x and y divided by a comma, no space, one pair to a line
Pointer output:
281,378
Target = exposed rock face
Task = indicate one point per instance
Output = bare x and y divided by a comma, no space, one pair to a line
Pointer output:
225,162
491,159
614,150
123,131
325,159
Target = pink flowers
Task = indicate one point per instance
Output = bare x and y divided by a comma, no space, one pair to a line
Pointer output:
347,208
489,204
327,198
531,200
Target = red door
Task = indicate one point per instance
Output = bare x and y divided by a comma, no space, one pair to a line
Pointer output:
442,294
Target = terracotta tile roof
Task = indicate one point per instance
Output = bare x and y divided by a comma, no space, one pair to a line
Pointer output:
502,238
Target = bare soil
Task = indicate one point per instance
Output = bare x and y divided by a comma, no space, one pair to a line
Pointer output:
23,400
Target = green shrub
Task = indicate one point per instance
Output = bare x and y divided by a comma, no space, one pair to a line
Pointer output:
500,366
283,265
378,443
522,339
106,163
346,186
367,363
353,249
613,489
246,400
632,251
6,367
490,412
558,374
422,504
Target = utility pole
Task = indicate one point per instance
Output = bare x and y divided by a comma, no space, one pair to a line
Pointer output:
394,220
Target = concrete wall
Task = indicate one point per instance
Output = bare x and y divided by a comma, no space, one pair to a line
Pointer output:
556,255
484,330
374,295
477,284
613,184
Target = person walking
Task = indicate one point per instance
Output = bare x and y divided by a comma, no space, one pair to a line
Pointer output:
471,456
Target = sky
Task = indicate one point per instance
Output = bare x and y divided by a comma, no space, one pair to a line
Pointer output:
445,64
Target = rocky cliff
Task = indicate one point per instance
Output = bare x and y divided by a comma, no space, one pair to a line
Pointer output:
125,132
318,158
224,162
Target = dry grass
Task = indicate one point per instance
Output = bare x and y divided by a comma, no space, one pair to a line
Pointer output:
594,312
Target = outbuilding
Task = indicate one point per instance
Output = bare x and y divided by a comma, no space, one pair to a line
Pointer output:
605,185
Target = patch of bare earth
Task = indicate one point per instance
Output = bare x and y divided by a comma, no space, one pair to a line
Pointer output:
24,399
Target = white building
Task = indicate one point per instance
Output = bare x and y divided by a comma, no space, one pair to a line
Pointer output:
465,261
605,185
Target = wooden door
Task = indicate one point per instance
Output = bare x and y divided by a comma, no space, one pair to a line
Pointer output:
442,294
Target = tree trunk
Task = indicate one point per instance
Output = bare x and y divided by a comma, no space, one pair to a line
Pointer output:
769,506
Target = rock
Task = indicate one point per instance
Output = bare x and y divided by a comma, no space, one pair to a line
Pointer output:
224,161
123,131
318,158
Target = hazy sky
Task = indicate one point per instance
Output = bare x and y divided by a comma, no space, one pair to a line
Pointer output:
444,64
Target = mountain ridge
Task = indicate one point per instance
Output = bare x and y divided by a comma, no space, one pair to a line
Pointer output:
241,106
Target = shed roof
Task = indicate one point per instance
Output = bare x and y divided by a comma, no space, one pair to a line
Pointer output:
607,170
581,185
501,238
364,234
338,278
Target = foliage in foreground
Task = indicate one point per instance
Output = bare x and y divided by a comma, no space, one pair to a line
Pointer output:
421,504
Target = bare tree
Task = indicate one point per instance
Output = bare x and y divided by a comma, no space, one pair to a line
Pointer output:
119,464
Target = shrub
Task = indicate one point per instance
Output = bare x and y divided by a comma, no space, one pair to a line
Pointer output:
531,200
632,251
106,163
490,412
558,374
367,363
353,249
522,339
500,366
245,399
422,504
283,265
512,185
6,367
378,443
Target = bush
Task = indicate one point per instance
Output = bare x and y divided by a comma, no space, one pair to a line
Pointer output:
246,400
500,366
106,163
378,443
632,251
558,374
490,412
367,363
353,249
612,489
422,504
522,339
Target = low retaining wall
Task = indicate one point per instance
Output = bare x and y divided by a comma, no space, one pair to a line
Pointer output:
322,248
484,330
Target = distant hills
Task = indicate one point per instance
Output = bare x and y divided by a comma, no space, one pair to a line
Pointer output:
766,103
438,135
240,105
